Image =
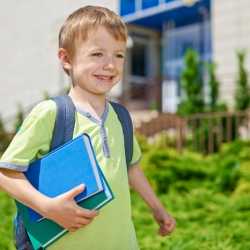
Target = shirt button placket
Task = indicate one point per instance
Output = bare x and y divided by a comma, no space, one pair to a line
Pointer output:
104,137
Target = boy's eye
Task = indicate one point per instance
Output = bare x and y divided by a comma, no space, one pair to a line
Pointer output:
97,54
120,56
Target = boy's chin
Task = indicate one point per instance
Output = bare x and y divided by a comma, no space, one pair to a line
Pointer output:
104,89
101,92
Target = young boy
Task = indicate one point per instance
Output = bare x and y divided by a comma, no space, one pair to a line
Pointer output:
92,45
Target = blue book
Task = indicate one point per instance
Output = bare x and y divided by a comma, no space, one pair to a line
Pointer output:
44,232
66,167
59,171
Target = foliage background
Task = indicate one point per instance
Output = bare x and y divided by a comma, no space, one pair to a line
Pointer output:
208,196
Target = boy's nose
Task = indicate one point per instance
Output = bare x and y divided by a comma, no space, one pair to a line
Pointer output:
109,64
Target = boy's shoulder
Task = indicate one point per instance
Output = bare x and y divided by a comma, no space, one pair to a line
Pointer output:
44,108
41,115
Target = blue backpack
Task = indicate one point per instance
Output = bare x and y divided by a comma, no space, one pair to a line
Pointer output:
63,132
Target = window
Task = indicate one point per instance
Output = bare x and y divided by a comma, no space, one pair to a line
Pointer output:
139,59
127,7
149,3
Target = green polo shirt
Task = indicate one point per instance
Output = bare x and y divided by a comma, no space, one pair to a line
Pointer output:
113,228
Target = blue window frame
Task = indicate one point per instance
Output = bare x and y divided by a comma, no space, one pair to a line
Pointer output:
149,3
166,1
127,7
177,41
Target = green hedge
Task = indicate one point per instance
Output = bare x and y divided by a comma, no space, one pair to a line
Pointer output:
208,196
7,210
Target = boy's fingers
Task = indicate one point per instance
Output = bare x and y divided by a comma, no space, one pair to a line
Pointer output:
83,222
166,228
172,225
161,231
71,194
170,228
164,231
73,229
82,212
169,222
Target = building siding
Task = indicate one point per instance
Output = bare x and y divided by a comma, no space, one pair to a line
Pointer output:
231,32
29,31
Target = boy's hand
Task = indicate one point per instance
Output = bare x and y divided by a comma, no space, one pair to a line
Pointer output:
64,210
165,221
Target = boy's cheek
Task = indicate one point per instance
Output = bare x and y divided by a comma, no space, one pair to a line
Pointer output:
117,80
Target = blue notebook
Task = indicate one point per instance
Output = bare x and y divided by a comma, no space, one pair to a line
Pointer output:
66,167
71,164
44,232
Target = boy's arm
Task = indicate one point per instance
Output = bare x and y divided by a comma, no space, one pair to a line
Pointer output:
61,209
140,184
32,141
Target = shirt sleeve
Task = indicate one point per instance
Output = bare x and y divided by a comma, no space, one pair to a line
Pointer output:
33,138
137,154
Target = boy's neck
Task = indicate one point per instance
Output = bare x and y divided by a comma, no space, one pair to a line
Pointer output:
94,104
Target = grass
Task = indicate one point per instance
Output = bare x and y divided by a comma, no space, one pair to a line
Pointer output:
7,210
205,221
209,198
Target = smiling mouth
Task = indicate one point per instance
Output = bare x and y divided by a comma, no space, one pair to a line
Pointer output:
105,78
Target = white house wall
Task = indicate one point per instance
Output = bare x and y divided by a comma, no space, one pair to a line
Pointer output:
231,32
29,64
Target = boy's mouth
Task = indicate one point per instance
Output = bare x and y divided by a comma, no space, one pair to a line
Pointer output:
102,77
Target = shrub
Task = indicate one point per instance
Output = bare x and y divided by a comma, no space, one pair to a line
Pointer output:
242,96
4,137
192,85
228,174
242,188
143,142
213,87
221,172
166,168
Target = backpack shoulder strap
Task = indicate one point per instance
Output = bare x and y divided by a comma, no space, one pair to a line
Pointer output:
65,121
62,132
127,128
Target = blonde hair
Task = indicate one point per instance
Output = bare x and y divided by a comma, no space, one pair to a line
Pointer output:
88,18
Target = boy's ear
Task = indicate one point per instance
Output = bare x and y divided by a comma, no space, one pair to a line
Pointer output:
64,58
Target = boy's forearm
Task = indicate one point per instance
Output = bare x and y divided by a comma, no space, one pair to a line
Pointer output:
61,209
140,184
17,186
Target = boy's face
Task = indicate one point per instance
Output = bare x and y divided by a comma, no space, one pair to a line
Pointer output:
98,62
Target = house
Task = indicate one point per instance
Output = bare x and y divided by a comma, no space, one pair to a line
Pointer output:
29,42
160,32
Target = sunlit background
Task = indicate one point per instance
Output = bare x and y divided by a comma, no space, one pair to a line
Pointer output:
186,84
